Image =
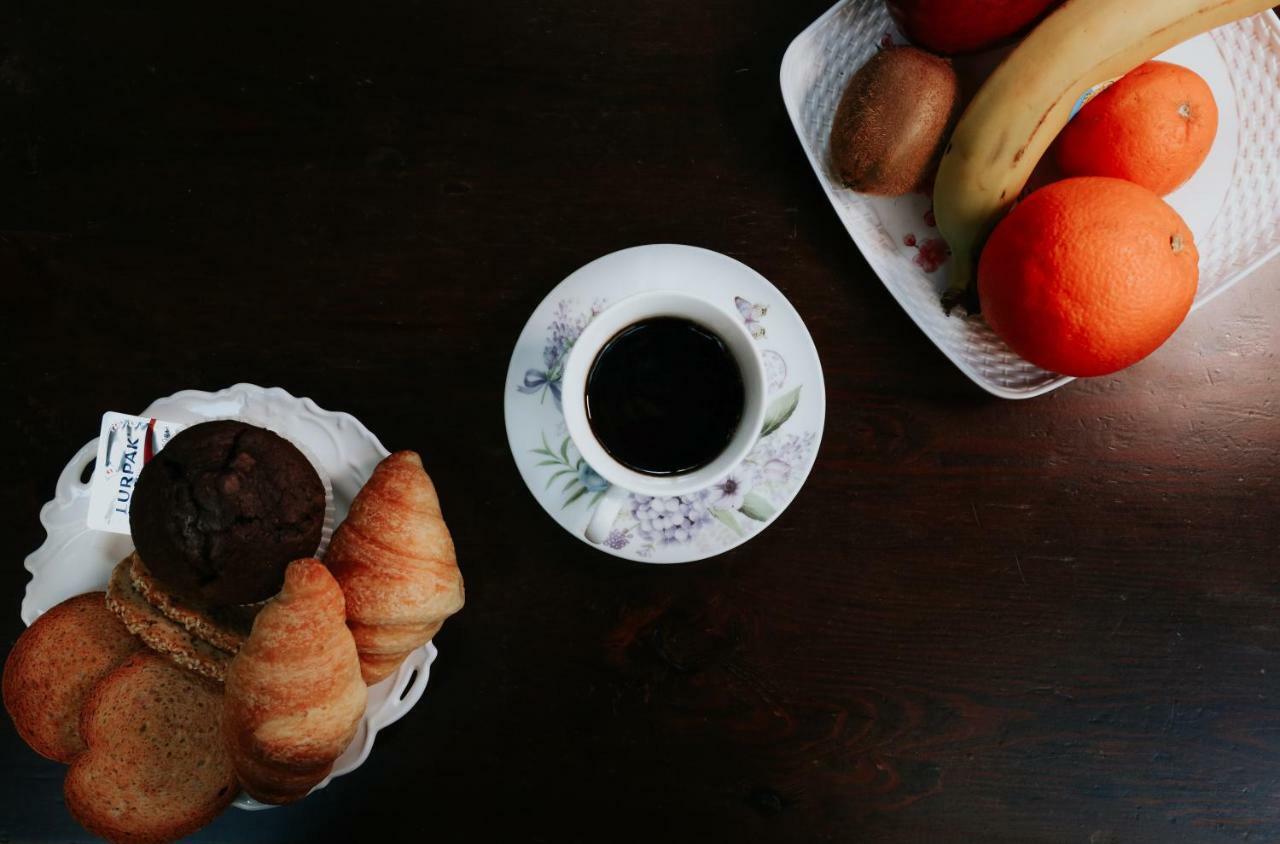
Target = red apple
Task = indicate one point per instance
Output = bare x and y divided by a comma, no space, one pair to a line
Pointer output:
964,26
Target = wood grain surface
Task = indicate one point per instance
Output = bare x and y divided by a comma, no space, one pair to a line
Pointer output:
1042,621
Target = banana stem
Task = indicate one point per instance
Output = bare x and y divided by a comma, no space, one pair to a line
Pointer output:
963,289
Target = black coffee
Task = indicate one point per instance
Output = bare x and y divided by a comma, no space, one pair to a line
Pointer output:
664,396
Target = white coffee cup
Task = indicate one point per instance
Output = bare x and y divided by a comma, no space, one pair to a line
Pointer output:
725,324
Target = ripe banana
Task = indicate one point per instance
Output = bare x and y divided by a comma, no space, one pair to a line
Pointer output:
1020,109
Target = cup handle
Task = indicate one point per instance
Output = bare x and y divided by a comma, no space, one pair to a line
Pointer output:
606,511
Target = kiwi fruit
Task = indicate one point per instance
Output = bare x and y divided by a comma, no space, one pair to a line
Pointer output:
896,114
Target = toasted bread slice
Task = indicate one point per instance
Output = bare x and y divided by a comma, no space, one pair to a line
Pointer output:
161,633
53,666
156,767
225,628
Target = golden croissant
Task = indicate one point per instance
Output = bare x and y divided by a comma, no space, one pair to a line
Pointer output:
294,695
395,561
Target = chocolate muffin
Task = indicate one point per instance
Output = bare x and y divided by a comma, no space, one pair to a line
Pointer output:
223,509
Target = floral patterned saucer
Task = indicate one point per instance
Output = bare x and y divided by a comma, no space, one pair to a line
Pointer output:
712,520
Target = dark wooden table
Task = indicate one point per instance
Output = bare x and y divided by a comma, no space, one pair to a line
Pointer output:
1044,621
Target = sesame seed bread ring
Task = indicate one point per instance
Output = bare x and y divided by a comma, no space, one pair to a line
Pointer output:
159,632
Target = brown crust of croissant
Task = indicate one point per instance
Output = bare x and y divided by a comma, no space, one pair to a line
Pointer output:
395,561
294,695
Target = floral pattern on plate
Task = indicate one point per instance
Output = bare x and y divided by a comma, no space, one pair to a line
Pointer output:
738,505
709,521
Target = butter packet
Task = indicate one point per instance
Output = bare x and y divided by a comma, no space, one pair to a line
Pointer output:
125,444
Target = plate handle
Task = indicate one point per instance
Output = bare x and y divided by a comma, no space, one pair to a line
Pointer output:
72,478
410,683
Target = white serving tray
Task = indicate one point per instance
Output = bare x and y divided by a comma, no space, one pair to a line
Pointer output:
75,559
1231,204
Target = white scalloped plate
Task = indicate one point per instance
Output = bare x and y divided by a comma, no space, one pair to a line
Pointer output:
1229,204
75,559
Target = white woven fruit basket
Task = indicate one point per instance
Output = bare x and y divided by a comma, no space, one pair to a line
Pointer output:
1230,204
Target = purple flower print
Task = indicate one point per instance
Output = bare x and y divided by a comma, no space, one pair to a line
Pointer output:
670,521
728,494
565,328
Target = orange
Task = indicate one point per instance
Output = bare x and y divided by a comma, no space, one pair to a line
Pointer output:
1089,275
1153,127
